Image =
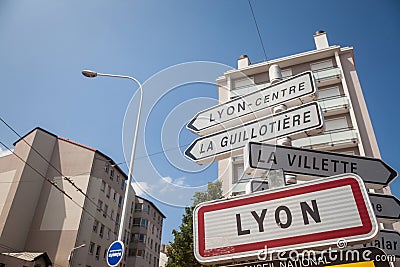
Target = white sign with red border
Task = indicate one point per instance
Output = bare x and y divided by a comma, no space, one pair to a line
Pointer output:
309,215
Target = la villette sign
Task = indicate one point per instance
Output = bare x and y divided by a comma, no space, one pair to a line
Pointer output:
309,215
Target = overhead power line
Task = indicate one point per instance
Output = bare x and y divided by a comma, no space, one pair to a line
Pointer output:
68,179
258,30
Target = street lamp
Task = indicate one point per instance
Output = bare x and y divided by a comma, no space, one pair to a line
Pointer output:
93,74
71,253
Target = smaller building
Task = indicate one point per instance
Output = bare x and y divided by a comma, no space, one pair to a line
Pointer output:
145,241
27,259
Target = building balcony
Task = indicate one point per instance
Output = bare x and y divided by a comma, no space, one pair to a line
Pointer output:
335,105
327,76
329,140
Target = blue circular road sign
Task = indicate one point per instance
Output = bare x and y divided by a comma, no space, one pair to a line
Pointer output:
115,253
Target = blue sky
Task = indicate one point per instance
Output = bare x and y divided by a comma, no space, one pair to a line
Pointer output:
45,44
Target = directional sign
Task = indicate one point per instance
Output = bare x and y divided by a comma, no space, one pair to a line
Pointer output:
115,253
374,172
386,207
389,241
296,122
294,217
333,257
292,92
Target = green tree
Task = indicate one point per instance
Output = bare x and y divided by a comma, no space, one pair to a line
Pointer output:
180,254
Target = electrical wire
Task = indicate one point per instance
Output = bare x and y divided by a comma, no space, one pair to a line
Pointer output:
258,30
68,179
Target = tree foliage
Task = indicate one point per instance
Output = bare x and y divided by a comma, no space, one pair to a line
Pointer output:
180,253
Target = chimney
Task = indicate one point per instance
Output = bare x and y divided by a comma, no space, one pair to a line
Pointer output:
321,40
243,61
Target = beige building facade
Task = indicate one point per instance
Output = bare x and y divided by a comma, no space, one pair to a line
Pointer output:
65,199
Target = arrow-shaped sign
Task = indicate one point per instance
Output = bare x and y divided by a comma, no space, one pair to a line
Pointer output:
291,92
388,240
296,122
375,172
386,207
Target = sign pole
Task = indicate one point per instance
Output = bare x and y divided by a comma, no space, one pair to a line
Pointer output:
276,178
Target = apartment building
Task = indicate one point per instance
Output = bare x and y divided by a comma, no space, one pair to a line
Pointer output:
145,241
62,198
348,128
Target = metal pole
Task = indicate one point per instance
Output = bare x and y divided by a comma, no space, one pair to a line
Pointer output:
71,254
131,163
92,74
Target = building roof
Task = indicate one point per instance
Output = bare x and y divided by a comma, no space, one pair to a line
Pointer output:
115,165
154,206
29,256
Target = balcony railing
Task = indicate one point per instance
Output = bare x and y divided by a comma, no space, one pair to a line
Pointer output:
329,140
327,76
334,105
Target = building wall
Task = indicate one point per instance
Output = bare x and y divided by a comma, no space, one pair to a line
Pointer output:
144,248
35,216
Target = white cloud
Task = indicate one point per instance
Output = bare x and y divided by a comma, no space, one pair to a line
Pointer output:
140,188
4,152
167,179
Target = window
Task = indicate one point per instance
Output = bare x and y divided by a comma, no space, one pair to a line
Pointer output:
140,252
108,191
105,253
154,261
151,244
119,201
91,247
105,211
103,186
117,219
136,221
286,73
326,64
146,208
95,225
239,174
132,205
336,124
155,247
112,215
108,233
144,223
115,196
130,222
101,230
98,249
112,174
328,92
122,186
138,207
99,205
154,215
106,167
117,178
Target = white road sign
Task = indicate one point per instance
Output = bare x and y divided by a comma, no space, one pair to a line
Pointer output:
292,92
375,172
309,215
295,122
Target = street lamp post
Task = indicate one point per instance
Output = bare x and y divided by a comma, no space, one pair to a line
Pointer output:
71,253
93,74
